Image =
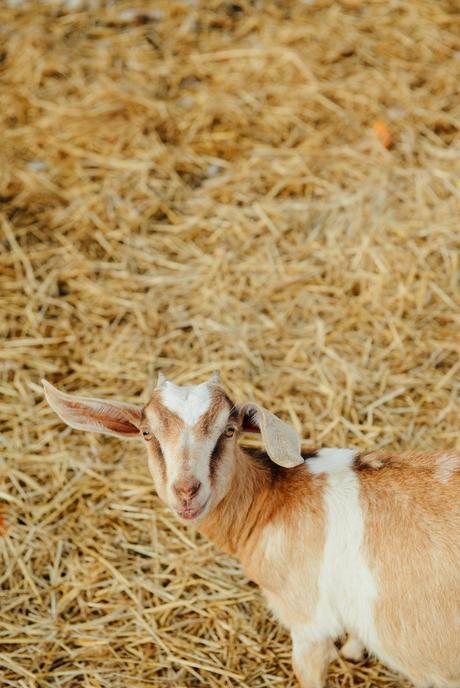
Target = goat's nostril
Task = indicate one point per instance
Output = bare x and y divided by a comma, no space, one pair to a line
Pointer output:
186,489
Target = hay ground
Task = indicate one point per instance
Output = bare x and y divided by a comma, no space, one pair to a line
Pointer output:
266,188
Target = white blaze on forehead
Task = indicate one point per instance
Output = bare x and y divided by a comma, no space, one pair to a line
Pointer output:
189,403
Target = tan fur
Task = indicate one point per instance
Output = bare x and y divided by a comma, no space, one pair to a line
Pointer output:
262,499
161,420
412,543
220,401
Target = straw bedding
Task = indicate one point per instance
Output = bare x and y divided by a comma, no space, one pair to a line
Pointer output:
269,189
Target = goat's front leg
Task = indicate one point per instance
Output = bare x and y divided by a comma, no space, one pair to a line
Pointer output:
311,657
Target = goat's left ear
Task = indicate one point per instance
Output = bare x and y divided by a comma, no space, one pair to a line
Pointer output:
281,441
97,415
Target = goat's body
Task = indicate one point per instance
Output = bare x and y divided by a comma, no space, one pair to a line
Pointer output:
364,544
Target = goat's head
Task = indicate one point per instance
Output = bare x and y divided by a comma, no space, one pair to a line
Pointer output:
190,434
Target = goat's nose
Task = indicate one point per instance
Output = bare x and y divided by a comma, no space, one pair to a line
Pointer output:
186,489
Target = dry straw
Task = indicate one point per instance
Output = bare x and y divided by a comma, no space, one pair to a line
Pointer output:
266,188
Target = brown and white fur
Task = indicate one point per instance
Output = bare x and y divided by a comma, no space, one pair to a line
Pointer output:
339,541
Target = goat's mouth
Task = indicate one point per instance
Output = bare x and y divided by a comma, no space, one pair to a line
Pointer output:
190,513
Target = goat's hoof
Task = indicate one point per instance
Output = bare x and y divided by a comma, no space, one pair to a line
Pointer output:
353,649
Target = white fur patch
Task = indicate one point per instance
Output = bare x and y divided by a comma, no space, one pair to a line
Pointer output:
446,466
331,460
189,403
347,587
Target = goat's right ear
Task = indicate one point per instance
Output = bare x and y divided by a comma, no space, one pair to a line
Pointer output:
281,441
97,415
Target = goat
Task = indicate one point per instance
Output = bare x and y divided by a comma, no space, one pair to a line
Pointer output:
338,540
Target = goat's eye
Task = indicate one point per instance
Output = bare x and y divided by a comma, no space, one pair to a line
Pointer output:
147,435
230,431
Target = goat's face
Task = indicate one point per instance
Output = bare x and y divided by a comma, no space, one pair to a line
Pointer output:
190,434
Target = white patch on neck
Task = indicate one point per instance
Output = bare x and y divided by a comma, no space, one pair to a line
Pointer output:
189,403
331,460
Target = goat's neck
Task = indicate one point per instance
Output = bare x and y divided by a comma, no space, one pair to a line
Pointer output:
236,520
